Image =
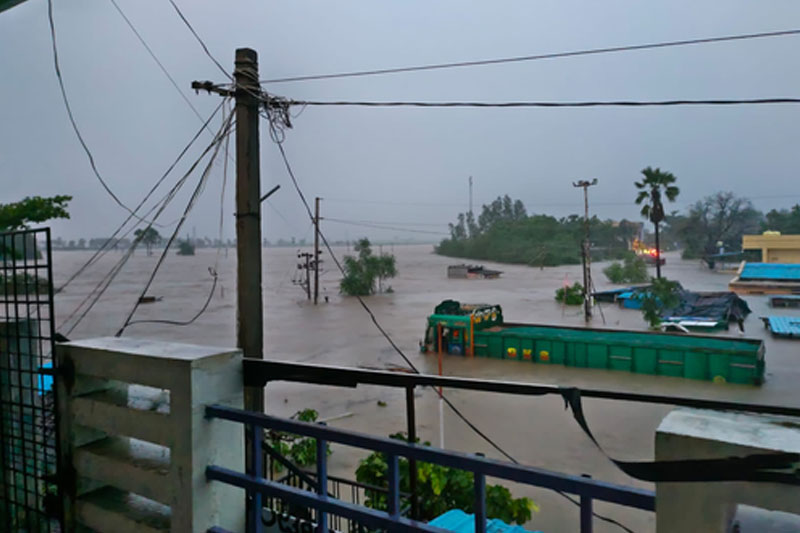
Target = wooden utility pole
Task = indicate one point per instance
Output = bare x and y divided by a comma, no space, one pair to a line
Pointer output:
316,249
306,256
250,317
585,257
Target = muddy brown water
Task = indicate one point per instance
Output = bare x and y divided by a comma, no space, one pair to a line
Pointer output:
536,431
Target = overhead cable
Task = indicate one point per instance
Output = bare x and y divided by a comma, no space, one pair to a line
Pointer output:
599,103
199,40
71,116
516,59
224,132
111,241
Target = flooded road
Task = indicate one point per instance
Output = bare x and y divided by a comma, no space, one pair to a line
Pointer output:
536,431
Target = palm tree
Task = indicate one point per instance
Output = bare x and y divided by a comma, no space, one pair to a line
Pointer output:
654,184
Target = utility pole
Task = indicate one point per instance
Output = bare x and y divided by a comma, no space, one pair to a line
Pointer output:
316,249
470,195
585,256
306,256
250,305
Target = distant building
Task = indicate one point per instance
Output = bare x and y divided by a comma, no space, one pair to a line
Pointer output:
775,248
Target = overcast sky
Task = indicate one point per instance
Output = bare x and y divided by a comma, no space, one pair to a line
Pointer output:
402,167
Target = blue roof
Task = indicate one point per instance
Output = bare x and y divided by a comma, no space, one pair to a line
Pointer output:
770,271
784,326
458,521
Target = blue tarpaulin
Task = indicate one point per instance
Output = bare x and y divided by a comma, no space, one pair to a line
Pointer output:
770,272
783,326
458,521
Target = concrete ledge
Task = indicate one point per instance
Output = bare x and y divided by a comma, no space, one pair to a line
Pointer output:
703,434
110,510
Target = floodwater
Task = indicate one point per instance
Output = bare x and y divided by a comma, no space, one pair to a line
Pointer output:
537,431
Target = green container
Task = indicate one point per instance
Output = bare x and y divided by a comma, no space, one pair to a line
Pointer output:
702,357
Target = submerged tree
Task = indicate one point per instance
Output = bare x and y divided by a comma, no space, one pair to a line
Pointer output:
655,184
149,236
362,271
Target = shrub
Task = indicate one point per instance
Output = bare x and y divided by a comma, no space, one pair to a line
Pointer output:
570,295
632,270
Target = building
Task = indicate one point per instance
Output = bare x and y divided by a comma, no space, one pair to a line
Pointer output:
775,248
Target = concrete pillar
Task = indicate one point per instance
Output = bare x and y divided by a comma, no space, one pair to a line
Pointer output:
702,434
134,431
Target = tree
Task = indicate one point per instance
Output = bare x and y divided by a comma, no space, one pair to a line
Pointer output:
720,218
149,236
301,450
363,270
32,209
439,489
385,267
662,294
655,184
784,220
632,270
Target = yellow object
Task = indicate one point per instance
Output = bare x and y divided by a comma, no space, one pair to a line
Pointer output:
544,355
512,352
526,353
477,319
775,247
719,379
494,316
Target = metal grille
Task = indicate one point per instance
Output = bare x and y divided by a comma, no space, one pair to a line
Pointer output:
29,498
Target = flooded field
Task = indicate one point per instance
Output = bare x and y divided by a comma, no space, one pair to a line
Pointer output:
536,431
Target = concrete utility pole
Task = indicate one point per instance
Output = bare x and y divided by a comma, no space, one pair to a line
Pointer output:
316,249
250,317
470,195
585,256
306,256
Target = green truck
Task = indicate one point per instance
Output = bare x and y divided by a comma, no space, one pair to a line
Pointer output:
479,330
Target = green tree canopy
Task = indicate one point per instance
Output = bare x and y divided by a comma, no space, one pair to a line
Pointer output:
32,209
149,236
363,270
783,220
722,217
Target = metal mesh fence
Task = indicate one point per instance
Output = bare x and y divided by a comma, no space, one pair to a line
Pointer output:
29,499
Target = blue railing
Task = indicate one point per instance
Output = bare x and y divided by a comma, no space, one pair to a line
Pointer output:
259,487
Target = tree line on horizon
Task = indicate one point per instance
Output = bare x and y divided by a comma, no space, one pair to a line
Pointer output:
505,232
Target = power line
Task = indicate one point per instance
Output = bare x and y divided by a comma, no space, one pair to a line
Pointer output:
158,61
70,114
599,103
107,245
106,281
389,228
516,59
384,222
224,132
199,40
397,349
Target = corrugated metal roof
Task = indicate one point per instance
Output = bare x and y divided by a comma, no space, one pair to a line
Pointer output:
458,521
784,326
770,271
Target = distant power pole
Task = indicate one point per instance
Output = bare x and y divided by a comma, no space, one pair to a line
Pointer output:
470,195
305,256
585,256
316,249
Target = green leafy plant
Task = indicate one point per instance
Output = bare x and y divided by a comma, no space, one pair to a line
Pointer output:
662,294
439,489
18,215
362,271
633,269
570,295
302,451
185,247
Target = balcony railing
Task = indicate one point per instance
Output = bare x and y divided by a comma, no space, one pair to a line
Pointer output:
259,487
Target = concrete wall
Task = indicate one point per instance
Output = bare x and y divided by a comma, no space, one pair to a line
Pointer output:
134,430
774,248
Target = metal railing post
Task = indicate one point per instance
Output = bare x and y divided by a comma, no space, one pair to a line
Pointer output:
586,511
393,497
412,438
256,438
322,482
480,503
